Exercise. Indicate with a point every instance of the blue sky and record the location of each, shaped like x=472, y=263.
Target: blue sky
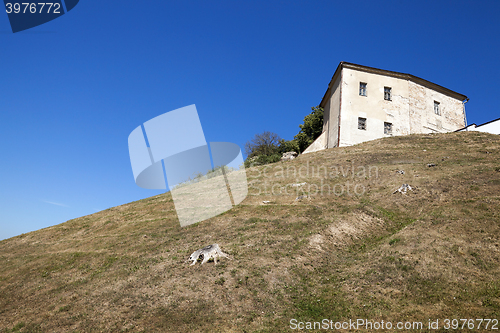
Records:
x=73, y=89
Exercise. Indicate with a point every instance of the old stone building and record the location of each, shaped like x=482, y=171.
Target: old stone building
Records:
x=364, y=103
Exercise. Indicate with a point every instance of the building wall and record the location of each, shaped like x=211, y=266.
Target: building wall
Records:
x=326, y=113
x=410, y=110
x=492, y=127
x=332, y=108
x=373, y=107
x=422, y=116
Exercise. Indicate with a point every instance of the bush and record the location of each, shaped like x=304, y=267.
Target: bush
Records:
x=268, y=147
x=266, y=143
x=286, y=146
x=262, y=160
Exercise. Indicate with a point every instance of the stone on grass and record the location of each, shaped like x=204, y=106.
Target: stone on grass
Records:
x=288, y=156
x=403, y=189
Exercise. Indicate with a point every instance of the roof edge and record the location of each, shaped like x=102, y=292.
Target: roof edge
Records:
x=461, y=129
x=488, y=122
x=330, y=84
x=399, y=75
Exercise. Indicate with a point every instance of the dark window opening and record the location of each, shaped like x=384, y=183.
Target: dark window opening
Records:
x=436, y=108
x=362, y=123
x=387, y=93
x=362, y=89
x=388, y=128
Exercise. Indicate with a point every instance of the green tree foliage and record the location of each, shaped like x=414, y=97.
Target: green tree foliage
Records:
x=262, y=159
x=290, y=145
x=311, y=129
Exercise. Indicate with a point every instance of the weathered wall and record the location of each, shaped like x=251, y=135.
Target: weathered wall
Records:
x=373, y=107
x=422, y=116
x=410, y=110
x=332, y=108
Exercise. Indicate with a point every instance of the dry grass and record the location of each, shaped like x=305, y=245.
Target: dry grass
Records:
x=432, y=253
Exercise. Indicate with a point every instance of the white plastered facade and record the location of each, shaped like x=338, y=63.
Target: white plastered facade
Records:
x=410, y=109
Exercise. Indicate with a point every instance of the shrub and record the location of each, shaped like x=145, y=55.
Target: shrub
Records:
x=266, y=143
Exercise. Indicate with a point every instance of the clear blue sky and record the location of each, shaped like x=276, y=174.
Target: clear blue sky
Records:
x=72, y=90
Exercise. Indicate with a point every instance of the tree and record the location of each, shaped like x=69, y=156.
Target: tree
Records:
x=286, y=146
x=268, y=147
x=311, y=129
x=266, y=143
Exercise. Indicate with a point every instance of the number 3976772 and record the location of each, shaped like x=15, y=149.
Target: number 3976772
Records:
x=33, y=8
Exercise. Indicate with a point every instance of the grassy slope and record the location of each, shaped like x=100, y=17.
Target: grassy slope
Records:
x=432, y=253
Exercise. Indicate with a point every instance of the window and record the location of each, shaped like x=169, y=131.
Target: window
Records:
x=362, y=123
x=387, y=93
x=436, y=108
x=362, y=89
x=388, y=128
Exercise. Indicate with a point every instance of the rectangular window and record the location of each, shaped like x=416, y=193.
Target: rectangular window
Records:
x=436, y=108
x=387, y=93
x=362, y=123
x=388, y=128
x=362, y=89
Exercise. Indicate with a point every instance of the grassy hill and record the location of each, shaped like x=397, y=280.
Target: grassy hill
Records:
x=349, y=249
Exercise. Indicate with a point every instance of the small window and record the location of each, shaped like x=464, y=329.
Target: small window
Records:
x=387, y=93
x=362, y=89
x=436, y=108
x=362, y=124
x=388, y=128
